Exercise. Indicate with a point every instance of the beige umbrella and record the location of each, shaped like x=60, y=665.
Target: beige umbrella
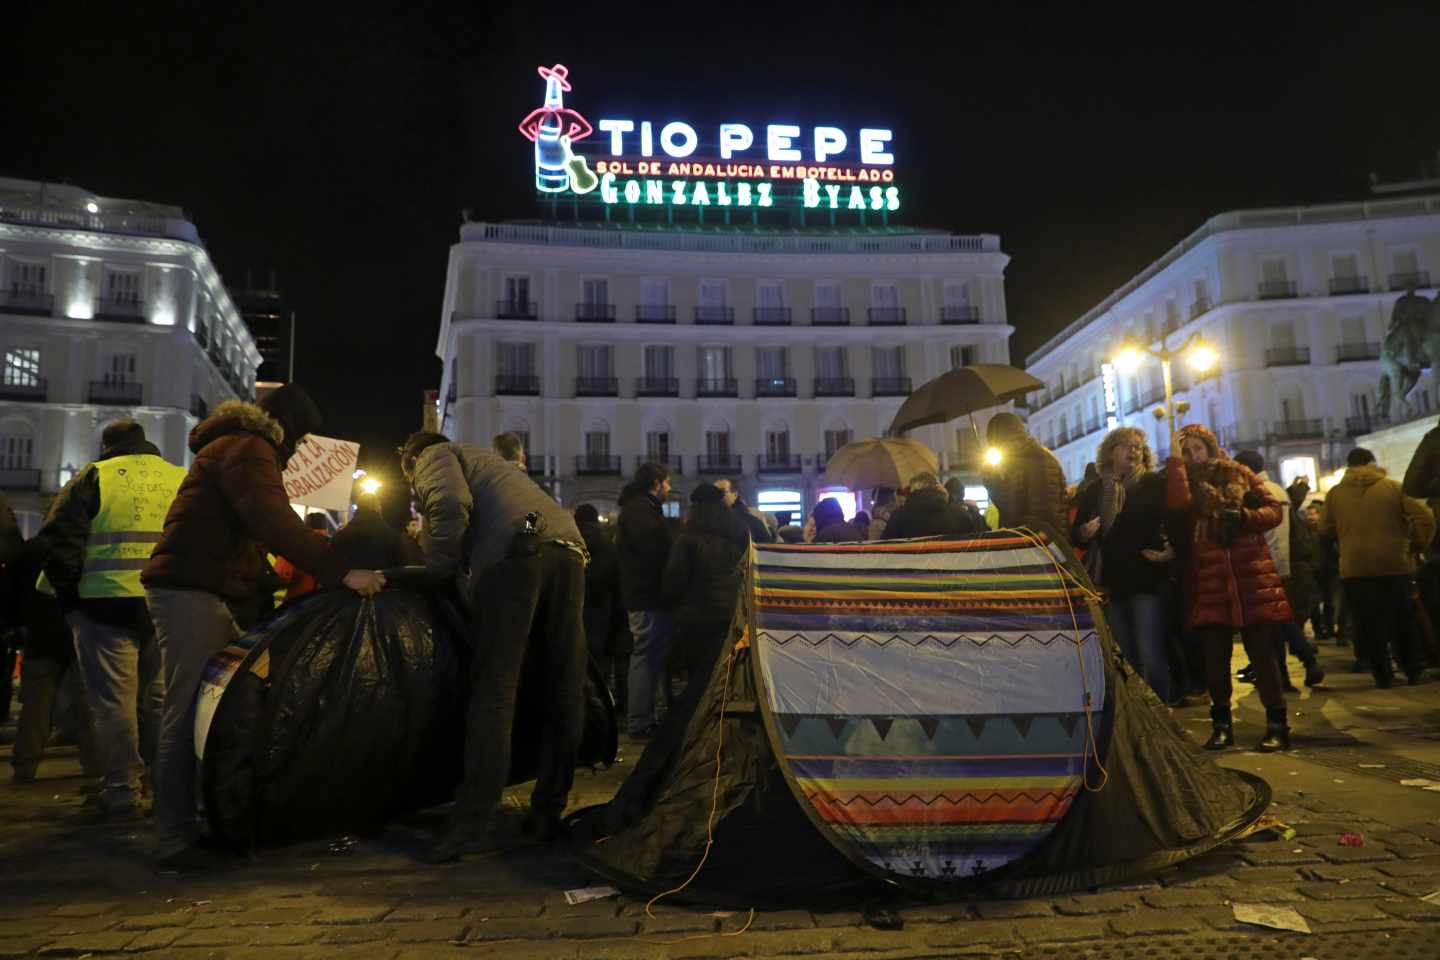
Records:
x=888, y=462
x=956, y=393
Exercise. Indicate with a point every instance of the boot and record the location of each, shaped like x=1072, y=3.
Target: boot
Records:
x=1223, y=734
x=1277, y=731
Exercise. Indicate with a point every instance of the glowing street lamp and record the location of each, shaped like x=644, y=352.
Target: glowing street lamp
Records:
x=1198, y=354
x=370, y=486
x=993, y=456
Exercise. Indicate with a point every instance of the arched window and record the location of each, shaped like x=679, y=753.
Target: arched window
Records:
x=777, y=444
x=17, y=449
x=657, y=442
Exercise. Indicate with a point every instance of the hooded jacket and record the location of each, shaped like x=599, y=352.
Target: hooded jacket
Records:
x=1028, y=488
x=1228, y=581
x=231, y=503
x=928, y=513
x=1379, y=527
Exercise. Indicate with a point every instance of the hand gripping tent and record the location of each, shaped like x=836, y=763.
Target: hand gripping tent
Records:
x=948, y=717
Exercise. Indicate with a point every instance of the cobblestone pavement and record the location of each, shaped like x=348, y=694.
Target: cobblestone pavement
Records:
x=73, y=890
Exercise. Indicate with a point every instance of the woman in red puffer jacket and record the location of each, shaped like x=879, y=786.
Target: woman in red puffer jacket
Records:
x=1222, y=511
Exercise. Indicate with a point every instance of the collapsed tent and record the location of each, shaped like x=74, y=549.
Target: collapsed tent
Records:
x=340, y=713
x=945, y=717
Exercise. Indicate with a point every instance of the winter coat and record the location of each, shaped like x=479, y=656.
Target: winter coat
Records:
x=47, y=634
x=1230, y=584
x=1379, y=527
x=642, y=543
x=1422, y=476
x=1138, y=526
x=473, y=498
x=701, y=583
x=1306, y=558
x=1028, y=488
x=369, y=543
x=928, y=513
x=842, y=532
x=230, y=508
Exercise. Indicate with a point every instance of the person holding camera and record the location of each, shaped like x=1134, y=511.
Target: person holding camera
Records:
x=521, y=563
x=1221, y=510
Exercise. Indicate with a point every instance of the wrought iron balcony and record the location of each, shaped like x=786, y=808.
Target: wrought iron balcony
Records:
x=1277, y=289
x=595, y=312
x=886, y=316
x=655, y=313
x=509, y=384
x=960, y=314
x=1347, y=352
x=657, y=386
x=829, y=316
x=716, y=316
x=199, y=409
x=834, y=386
x=33, y=391
x=774, y=386
x=727, y=387
x=778, y=463
x=1340, y=286
x=35, y=303
x=1355, y=426
x=515, y=310
x=597, y=463
x=889, y=386
x=19, y=478
x=123, y=310
x=718, y=463
x=597, y=387
x=1297, y=429
x=108, y=391
x=1287, y=356
x=1415, y=279
x=771, y=316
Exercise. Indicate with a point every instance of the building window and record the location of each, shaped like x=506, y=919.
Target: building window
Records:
x=777, y=443
x=595, y=291
x=597, y=442
x=827, y=296
x=884, y=296
x=122, y=286
x=1352, y=330
x=17, y=445
x=832, y=363
x=963, y=356
x=22, y=368
x=1344, y=266
x=1405, y=269
x=717, y=444
x=27, y=279
x=517, y=293
x=712, y=293
x=516, y=366
x=772, y=363
x=657, y=444
x=1202, y=298
x=1172, y=315
x=957, y=293
x=594, y=362
x=659, y=363
x=888, y=362
x=715, y=363
x=117, y=369
x=654, y=292
x=770, y=295
x=835, y=438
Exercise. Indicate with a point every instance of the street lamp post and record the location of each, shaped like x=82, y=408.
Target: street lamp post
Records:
x=1195, y=350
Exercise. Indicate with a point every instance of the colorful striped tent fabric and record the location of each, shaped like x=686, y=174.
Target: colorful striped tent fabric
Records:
x=934, y=703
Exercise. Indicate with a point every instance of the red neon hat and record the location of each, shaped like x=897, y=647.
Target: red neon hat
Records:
x=559, y=72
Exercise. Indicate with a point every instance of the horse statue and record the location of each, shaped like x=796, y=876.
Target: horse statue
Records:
x=1411, y=344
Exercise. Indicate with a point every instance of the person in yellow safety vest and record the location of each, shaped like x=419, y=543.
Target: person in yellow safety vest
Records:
x=96, y=540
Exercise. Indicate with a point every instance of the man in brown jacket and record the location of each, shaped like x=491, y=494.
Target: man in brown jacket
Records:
x=1028, y=485
x=232, y=500
x=1380, y=531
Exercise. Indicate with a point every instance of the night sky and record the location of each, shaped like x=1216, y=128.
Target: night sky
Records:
x=341, y=151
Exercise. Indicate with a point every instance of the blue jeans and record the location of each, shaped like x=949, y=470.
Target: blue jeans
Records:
x=651, y=632
x=1138, y=623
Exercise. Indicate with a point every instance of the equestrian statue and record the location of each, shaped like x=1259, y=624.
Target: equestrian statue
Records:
x=1411, y=344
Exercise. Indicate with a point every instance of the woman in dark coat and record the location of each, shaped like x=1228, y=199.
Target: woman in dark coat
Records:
x=1230, y=582
x=702, y=580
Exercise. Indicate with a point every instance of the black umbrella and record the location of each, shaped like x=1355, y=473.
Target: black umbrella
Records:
x=957, y=393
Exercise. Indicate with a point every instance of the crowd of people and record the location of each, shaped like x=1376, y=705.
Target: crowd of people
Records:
x=143, y=571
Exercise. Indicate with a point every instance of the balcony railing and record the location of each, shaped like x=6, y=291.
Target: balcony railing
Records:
x=1414, y=279
x=778, y=463
x=1347, y=352
x=889, y=386
x=718, y=463
x=1339, y=286
x=509, y=384
x=829, y=316
x=597, y=463
x=1199, y=308
x=34, y=391
x=834, y=386
x=727, y=387
x=515, y=310
x=1287, y=356
x=655, y=313
x=1355, y=426
x=657, y=387
x=199, y=409
x=120, y=311
x=106, y=391
x=886, y=316
x=19, y=478
x=960, y=314
x=1277, y=289
x=673, y=462
x=33, y=302
x=595, y=312
x=597, y=387
x=1093, y=425
x=718, y=316
x=1297, y=429
x=771, y=316
x=774, y=386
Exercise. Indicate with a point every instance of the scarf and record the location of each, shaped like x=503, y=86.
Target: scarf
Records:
x=1113, y=493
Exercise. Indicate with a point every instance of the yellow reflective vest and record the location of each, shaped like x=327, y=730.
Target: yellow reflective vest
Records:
x=135, y=495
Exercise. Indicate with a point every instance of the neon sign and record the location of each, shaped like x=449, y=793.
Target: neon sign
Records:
x=665, y=164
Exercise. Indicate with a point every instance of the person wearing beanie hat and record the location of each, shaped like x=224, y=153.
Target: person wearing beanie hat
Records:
x=1230, y=582
x=231, y=507
x=1028, y=485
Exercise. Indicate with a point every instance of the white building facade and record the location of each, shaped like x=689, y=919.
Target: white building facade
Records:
x=1297, y=302
x=109, y=309
x=750, y=354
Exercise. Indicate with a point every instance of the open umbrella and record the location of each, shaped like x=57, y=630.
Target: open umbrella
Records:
x=963, y=391
x=888, y=462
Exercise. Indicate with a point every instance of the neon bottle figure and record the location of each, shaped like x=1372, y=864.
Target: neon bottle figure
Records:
x=546, y=126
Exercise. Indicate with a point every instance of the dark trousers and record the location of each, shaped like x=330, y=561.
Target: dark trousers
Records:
x=519, y=602
x=1381, y=609
x=1218, y=643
